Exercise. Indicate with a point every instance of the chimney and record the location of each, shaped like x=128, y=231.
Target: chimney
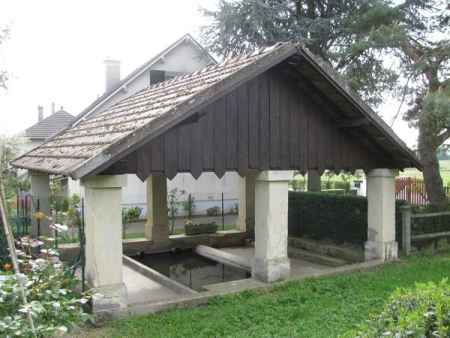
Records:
x=112, y=73
x=53, y=108
x=40, y=113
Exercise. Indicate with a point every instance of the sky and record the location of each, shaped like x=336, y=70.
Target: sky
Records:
x=56, y=51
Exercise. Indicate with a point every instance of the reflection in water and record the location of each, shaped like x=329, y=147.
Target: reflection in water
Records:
x=193, y=270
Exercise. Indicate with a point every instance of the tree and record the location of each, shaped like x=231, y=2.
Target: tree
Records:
x=4, y=34
x=380, y=49
x=14, y=147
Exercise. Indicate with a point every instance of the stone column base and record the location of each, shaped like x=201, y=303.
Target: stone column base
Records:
x=270, y=271
x=109, y=298
x=159, y=234
x=384, y=251
x=246, y=224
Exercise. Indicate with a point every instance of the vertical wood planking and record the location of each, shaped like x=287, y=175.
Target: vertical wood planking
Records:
x=184, y=147
x=274, y=120
x=321, y=137
x=253, y=123
x=232, y=128
x=294, y=128
x=304, y=113
x=354, y=153
x=170, y=152
x=337, y=165
x=208, y=138
x=220, y=140
x=243, y=130
x=196, y=149
x=264, y=122
x=344, y=151
x=284, y=124
x=157, y=154
x=329, y=146
x=312, y=134
x=143, y=158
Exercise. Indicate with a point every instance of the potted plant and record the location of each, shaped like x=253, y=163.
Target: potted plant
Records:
x=191, y=228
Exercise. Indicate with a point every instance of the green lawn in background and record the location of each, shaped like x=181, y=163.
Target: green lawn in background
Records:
x=316, y=307
x=408, y=172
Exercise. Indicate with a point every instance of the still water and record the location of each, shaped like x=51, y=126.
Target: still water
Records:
x=193, y=270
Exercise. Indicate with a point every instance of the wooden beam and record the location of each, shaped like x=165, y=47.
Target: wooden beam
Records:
x=352, y=123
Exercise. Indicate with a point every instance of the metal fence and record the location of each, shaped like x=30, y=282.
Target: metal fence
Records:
x=22, y=222
x=206, y=207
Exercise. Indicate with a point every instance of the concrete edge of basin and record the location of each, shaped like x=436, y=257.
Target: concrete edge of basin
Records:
x=157, y=277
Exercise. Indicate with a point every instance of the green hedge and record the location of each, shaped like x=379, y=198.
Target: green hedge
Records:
x=339, y=218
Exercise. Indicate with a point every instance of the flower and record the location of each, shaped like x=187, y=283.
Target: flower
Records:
x=190, y=223
x=7, y=267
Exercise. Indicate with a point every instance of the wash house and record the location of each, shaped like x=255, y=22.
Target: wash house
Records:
x=264, y=115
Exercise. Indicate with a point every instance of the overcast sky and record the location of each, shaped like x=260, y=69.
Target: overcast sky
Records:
x=56, y=51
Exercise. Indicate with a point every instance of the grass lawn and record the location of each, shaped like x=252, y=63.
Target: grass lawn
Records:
x=408, y=172
x=320, y=307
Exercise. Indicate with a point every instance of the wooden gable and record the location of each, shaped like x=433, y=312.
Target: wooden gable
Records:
x=267, y=123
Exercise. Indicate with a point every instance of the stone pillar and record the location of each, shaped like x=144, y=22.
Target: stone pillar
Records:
x=314, y=183
x=381, y=244
x=246, y=218
x=157, y=228
x=103, y=219
x=271, y=263
x=40, y=190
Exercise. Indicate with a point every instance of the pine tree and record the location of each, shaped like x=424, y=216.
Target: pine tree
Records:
x=380, y=48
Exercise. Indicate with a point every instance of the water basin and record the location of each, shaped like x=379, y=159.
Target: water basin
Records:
x=192, y=269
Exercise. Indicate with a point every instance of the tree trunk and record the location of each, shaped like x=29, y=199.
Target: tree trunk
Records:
x=431, y=174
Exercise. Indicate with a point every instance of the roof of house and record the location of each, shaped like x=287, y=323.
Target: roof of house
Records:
x=106, y=138
x=49, y=126
x=124, y=82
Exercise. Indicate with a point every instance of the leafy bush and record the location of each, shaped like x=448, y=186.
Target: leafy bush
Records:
x=51, y=303
x=213, y=211
x=128, y=216
x=189, y=206
x=298, y=185
x=420, y=312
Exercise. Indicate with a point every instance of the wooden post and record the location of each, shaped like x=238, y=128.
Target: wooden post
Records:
x=406, y=230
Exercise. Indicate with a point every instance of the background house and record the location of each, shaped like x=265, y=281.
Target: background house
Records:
x=182, y=57
x=45, y=128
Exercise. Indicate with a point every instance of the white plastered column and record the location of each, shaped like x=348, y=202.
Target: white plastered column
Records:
x=381, y=244
x=103, y=219
x=246, y=218
x=271, y=263
x=156, y=228
x=40, y=190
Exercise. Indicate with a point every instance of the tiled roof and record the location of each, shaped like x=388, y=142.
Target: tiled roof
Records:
x=106, y=138
x=49, y=126
x=135, y=116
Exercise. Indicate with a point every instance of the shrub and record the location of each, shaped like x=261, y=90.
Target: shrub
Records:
x=213, y=211
x=420, y=312
x=129, y=215
x=51, y=303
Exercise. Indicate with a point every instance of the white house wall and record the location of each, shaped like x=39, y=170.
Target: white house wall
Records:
x=207, y=191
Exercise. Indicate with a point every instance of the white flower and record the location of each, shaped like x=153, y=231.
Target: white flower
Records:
x=21, y=278
x=60, y=227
